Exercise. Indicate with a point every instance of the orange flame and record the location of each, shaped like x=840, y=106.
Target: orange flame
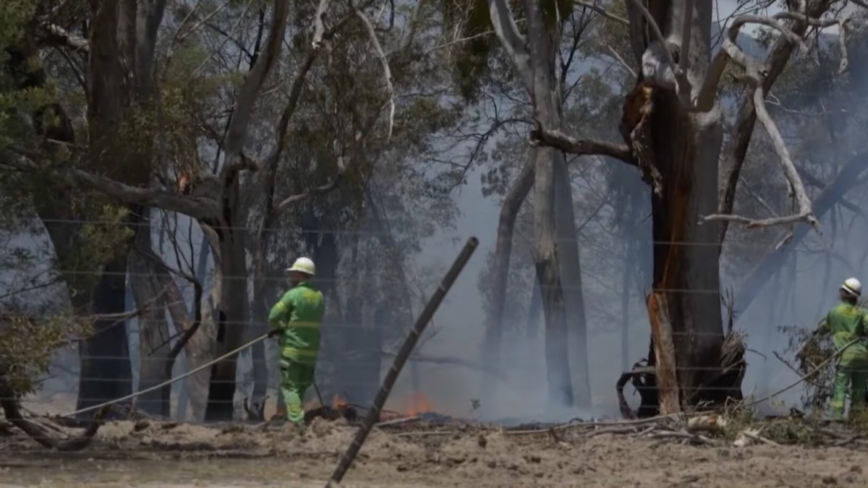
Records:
x=418, y=404
x=338, y=402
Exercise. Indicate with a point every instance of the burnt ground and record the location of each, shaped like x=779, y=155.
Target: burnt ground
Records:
x=416, y=455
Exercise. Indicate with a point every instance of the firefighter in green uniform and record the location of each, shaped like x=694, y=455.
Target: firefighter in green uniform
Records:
x=296, y=320
x=847, y=322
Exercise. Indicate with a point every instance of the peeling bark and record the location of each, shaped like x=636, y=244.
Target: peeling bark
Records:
x=684, y=146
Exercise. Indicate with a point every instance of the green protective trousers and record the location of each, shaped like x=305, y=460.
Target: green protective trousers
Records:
x=851, y=377
x=295, y=379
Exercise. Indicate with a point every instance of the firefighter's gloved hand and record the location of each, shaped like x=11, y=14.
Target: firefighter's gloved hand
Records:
x=273, y=333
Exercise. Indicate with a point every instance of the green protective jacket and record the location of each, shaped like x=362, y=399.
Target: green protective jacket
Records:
x=845, y=323
x=299, y=315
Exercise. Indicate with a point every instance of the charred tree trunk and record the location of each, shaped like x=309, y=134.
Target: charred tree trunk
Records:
x=684, y=146
x=105, y=364
x=105, y=372
x=231, y=316
x=685, y=297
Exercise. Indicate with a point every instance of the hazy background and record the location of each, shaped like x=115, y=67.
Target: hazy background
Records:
x=459, y=321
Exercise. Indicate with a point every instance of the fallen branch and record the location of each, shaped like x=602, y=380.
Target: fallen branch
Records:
x=612, y=430
x=12, y=411
x=406, y=349
x=699, y=439
x=804, y=377
x=398, y=421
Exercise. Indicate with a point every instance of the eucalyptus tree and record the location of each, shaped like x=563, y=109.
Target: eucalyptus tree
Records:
x=673, y=124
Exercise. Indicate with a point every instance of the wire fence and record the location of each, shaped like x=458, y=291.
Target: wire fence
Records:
x=349, y=366
x=337, y=365
x=185, y=235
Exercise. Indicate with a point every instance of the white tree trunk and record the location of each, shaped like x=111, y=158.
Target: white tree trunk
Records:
x=154, y=344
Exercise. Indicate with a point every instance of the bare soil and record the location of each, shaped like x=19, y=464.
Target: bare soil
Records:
x=149, y=454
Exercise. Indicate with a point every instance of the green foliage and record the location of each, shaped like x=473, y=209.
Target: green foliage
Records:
x=471, y=61
x=27, y=346
x=99, y=240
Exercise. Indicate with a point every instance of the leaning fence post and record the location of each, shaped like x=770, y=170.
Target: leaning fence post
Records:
x=401, y=358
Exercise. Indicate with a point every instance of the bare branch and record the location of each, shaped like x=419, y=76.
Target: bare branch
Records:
x=387, y=71
x=600, y=10
x=581, y=147
x=730, y=50
x=319, y=24
x=621, y=60
x=792, y=175
x=511, y=39
x=822, y=24
x=249, y=92
x=342, y=170
x=56, y=35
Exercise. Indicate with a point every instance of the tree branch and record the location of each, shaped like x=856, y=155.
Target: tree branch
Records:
x=319, y=24
x=754, y=73
x=511, y=39
x=792, y=175
x=387, y=72
x=197, y=207
x=600, y=10
x=9, y=404
x=581, y=147
x=822, y=24
x=58, y=36
x=730, y=50
x=249, y=92
x=342, y=169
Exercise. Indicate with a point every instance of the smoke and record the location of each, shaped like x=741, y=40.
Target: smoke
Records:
x=798, y=293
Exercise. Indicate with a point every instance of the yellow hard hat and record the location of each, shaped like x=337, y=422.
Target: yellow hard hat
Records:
x=303, y=265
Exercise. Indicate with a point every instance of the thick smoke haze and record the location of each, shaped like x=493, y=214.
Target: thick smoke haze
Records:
x=805, y=289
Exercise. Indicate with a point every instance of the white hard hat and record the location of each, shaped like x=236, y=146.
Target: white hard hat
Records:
x=852, y=286
x=303, y=265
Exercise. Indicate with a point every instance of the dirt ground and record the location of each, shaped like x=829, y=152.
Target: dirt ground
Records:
x=179, y=455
